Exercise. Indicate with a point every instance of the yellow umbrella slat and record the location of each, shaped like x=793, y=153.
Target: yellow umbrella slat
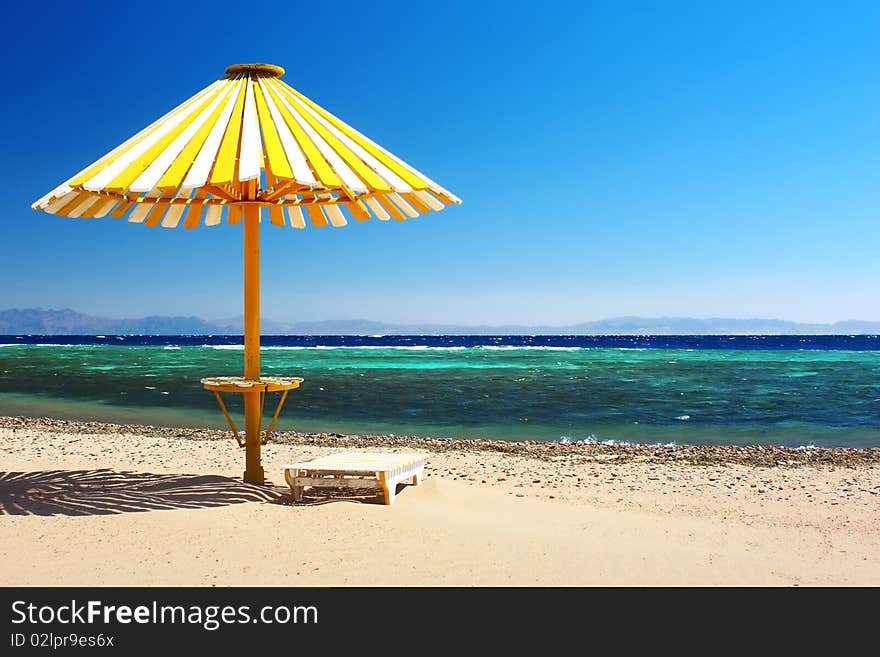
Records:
x=316, y=216
x=358, y=211
x=207, y=155
x=341, y=156
x=416, y=202
x=130, y=163
x=193, y=216
x=120, y=210
x=92, y=211
x=172, y=146
x=82, y=207
x=155, y=215
x=105, y=208
x=446, y=200
x=277, y=164
x=193, y=211
x=110, y=157
x=142, y=174
x=411, y=176
x=313, y=167
x=369, y=160
x=68, y=202
x=276, y=215
x=185, y=155
x=59, y=201
x=391, y=208
x=224, y=163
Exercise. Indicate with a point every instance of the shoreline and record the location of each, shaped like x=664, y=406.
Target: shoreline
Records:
x=751, y=455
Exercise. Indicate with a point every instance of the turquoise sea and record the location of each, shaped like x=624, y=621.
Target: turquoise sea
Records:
x=791, y=390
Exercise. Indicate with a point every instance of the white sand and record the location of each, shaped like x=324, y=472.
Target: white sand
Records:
x=478, y=519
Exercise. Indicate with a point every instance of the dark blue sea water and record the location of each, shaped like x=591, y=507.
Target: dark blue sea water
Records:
x=784, y=390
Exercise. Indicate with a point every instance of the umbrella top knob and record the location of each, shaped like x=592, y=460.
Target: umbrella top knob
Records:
x=263, y=70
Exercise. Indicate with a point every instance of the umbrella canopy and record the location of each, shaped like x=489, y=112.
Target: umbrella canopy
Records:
x=247, y=142
x=247, y=137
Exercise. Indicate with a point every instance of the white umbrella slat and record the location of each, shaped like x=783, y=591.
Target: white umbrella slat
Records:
x=120, y=164
x=392, y=178
x=302, y=173
x=295, y=216
x=214, y=215
x=105, y=208
x=198, y=173
x=83, y=205
x=172, y=217
x=43, y=201
x=429, y=200
x=403, y=204
x=61, y=201
x=140, y=213
x=107, y=158
x=251, y=152
x=377, y=209
x=151, y=175
x=334, y=214
x=414, y=177
x=349, y=177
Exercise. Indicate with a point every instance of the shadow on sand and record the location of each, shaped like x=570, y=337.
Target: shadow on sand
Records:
x=100, y=492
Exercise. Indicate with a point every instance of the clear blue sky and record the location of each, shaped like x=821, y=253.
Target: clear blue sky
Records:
x=613, y=158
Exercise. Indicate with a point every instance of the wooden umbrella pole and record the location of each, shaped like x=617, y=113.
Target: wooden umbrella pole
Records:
x=253, y=472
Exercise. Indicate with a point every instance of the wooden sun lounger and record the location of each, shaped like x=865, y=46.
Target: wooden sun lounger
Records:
x=356, y=470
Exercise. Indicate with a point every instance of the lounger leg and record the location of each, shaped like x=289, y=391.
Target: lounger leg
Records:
x=296, y=492
x=417, y=478
x=388, y=489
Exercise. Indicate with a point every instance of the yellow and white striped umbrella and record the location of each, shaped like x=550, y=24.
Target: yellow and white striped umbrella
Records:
x=251, y=138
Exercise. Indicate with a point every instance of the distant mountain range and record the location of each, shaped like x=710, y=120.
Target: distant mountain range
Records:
x=38, y=321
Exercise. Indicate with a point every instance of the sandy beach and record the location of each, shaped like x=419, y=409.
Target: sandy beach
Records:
x=96, y=504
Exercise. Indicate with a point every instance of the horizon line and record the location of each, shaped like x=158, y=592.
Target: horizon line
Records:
x=458, y=324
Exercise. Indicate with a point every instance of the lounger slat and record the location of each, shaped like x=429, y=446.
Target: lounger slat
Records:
x=347, y=482
x=356, y=470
